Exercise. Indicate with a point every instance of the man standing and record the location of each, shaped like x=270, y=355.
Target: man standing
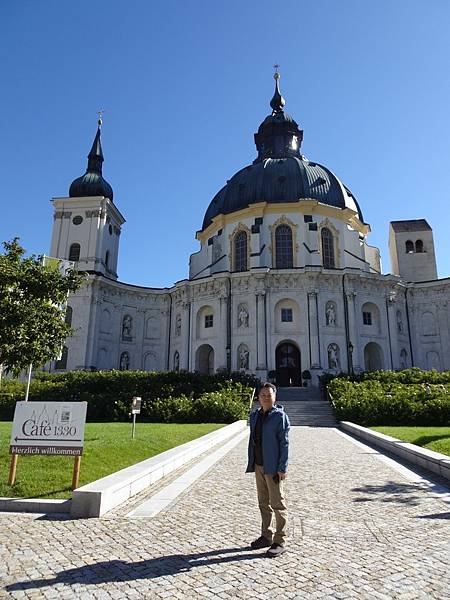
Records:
x=268, y=450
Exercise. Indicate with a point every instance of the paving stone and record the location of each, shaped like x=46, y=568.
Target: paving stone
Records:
x=358, y=529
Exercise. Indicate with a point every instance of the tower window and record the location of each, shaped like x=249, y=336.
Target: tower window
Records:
x=419, y=246
x=283, y=247
x=209, y=321
x=240, y=251
x=107, y=258
x=409, y=247
x=77, y=220
x=69, y=316
x=367, y=318
x=286, y=315
x=327, y=248
x=74, y=252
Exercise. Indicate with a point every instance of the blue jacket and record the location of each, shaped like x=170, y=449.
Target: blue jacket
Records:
x=275, y=441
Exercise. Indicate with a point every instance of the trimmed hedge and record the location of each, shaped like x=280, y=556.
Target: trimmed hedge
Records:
x=410, y=397
x=176, y=397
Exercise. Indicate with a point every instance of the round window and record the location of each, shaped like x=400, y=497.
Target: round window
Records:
x=110, y=230
x=77, y=220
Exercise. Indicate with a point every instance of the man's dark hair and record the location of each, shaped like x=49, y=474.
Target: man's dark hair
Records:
x=266, y=384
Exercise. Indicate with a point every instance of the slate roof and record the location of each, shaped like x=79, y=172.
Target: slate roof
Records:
x=411, y=225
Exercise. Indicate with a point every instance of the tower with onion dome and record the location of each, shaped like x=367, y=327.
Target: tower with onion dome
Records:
x=87, y=223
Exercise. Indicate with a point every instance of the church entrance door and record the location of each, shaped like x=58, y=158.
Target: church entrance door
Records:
x=287, y=360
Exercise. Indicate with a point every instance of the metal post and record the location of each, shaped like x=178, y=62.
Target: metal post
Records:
x=28, y=382
x=134, y=425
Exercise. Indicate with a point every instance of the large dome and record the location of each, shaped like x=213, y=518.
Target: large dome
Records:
x=276, y=180
x=280, y=173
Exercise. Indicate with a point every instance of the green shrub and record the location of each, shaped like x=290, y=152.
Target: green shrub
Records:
x=390, y=401
x=167, y=397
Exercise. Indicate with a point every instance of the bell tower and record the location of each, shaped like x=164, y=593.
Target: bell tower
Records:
x=411, y=247
x=87, y=224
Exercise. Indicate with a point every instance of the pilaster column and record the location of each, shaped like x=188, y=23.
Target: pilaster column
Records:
x=313, y=330
x=443, y=325
x=391, y=303
x=222, y=337
x=186, y=328
x=260, y=331
x=353, y=335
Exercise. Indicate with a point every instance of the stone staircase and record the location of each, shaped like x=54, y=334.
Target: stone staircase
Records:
x=305, y=407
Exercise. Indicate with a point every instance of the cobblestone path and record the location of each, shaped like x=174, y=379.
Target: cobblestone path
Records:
x=358, y=529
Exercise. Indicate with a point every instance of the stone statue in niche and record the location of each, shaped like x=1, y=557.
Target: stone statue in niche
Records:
x=124, y=361
x=399, y=322
x=333, y=357
x=127, y=327
x=243, y=316
x=244, y=355
x=330, y=314
x=178, y=326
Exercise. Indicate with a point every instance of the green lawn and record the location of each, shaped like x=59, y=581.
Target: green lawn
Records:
x=108, y=448
x=433, y=438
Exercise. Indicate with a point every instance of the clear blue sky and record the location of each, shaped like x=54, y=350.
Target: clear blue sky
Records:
x=186, y=84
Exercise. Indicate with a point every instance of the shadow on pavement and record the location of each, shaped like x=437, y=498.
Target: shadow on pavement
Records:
x=120, y=570
x=392, y=491
x=445, y=515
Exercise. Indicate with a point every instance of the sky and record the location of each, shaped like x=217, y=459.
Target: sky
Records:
x=185, y=85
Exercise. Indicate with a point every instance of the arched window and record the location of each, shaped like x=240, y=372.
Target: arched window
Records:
x=327, y=248
x=61, y=363
x=74, y=252
x=419, y=246
x=69, y=315
x=283, y=247
x=176, y=361
x=107, y=258
x=409, y=246
x=240, y=251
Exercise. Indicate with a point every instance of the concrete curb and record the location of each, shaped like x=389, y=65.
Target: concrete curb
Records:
x=426, y=459
x=98, y=497
x=35, y=505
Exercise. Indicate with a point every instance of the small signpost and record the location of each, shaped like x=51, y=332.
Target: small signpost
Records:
x=136, y=404
x=51, y=428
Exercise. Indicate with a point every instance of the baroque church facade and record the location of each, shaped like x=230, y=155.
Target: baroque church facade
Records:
x=284, y=286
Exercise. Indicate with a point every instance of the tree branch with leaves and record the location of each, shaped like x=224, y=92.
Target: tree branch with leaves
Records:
x=32, y=308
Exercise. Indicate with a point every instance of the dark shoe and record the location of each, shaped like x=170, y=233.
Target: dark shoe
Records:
x=261, y=542
x=275, y=550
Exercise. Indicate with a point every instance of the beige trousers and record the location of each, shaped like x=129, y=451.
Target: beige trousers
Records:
x=271, y=501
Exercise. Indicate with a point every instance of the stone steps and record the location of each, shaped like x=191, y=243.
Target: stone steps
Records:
x=305, y=407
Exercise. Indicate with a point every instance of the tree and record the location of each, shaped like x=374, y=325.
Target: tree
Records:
x=32, y=308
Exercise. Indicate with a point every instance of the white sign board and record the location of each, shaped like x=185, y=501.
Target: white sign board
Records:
x=48, y=428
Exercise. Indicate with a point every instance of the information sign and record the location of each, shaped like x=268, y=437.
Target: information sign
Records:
x=48, y=428
x=136, y=405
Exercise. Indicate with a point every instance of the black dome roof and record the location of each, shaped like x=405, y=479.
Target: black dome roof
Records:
x=280, y=173
x=280, y=180
x=92, y=182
